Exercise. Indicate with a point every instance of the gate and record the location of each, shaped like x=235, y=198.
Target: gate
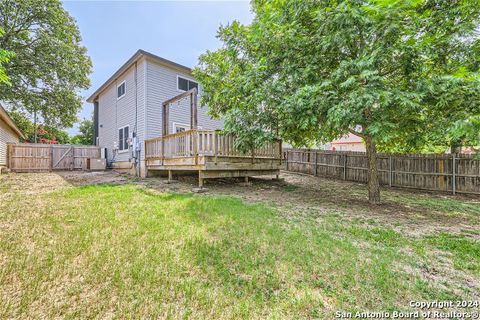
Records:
x=29, y=157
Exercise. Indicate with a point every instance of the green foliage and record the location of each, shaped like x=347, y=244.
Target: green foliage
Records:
x=50, y=65
x=45, y=133
x=400, y=72
x=85, y=136
x=4, y=58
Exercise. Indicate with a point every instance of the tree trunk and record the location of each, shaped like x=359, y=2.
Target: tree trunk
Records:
x=373, y=183
x=456, y=147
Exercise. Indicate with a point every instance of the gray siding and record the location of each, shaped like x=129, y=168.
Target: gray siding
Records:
x=116, y=113
x=155, y=84
x=161, y=86
x=7, y=135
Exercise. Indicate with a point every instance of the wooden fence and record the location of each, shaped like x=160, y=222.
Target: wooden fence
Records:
x=29, y=157
x=446, y=172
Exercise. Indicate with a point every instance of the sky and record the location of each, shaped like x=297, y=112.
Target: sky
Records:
x=112, y=31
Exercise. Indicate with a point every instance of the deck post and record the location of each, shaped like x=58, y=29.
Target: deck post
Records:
x=170, y=176
x=194, y=145
x=194, y=122
x=200, y=179
x=246, y=179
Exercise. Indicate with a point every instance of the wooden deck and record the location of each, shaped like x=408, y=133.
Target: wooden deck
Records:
x=210, y=154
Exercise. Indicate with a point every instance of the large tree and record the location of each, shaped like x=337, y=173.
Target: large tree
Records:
x=4, y=58
x=49, y=66
x=312, y=71
x=38, y=133
x=85, y=136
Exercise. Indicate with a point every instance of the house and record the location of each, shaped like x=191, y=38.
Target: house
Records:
x=128, y=108
x=349, y=142
x=9, y=133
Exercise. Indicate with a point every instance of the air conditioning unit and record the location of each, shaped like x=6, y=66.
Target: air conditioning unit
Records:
x=97, y=164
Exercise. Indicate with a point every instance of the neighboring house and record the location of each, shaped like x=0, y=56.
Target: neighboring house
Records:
x=9, y=133
x=128, y=108
x=350, y=142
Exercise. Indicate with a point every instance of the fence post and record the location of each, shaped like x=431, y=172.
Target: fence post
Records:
x=316, y=162
x=454, y=174
x=10, y=153
x=215, y=146
x=345, y=167
x=51, y=158
x=287, y=158
x=390, y=174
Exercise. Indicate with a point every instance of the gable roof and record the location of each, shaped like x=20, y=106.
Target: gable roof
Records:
x=6, y=118
x=140, y=53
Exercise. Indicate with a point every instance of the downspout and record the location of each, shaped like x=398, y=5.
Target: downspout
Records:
x=95, y=123
x=136, y=149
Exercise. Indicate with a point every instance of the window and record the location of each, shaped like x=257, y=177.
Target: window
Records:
x=185, y=84
x=121, y=89
x=177, y=127
x=181, y=127
x=123, y=136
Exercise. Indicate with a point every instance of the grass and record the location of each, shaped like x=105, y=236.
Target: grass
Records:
x=126, y=251
x=466, y=252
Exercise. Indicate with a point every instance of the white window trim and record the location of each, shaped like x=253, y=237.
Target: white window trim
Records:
x=123, y=95
x=186, y=126
x=118, y=138
x=178, y=124
x=186, y=78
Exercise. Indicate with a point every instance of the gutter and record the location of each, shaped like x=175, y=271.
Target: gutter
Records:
x=6, y=118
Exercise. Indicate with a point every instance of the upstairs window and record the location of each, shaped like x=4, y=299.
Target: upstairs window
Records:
x=121, y=89
x=185, y=84
x=123, y=138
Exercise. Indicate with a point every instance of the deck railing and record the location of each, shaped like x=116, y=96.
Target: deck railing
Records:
x=199, y=142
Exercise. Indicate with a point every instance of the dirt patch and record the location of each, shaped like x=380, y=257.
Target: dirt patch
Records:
x=95, y=177
x=297, y=197
x=305, y=197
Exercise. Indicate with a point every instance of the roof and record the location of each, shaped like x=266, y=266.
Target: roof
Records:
x=350, y=138
x=6, y=118
x=140, y=53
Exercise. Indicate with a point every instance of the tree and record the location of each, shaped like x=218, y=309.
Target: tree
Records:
x=4, y=58
x=85, y=136
x=44, y=133
x=312, y=71
x=49, y=65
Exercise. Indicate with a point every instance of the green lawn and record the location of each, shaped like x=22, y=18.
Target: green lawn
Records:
x=128, y=251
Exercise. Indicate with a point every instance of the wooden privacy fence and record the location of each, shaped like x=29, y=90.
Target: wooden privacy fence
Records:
x=446, y=172
x=29, y=157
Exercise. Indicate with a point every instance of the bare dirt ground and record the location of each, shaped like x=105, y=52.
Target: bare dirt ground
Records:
x=297, y=197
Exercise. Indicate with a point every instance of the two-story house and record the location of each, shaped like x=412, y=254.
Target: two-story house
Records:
x=128, y=108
